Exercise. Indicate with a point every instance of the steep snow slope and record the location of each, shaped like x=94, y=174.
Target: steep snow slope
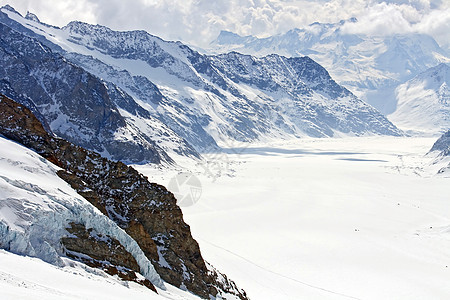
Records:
x=370, y=66
x=29, y=278
x=36, y=207
x=423, y=103
x=209, y=99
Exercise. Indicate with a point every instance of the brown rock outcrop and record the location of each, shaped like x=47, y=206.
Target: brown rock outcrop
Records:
x=102, y=252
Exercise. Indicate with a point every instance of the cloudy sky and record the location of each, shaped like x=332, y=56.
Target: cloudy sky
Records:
x=198, y=22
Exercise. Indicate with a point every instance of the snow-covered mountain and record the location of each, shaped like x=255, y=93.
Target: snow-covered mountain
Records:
x=81, y=107
x=209, y=99
x=369, y=66
x=60, y=200
x=423, y=103
x=441, y=153
x=442, y=145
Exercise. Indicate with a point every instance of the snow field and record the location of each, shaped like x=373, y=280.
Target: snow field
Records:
x=362, y=218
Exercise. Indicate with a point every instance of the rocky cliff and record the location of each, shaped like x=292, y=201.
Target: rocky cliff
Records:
x=146, y=211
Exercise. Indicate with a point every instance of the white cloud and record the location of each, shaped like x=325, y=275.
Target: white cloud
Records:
x=436, y=24
x=381, y=19
x=56, y=12
x=391, y=17
x=199, y=21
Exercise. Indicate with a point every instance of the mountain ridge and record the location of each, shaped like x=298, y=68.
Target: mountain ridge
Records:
x=59, y=90
x=203, y=99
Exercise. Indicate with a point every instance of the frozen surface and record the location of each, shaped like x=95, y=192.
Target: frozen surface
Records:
x=29, y=278
x=352, y=218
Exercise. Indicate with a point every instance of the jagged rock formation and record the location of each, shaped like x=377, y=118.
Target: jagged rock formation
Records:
x=146, y=211
x=211, y=99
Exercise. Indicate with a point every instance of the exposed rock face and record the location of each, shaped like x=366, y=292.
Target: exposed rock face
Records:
x=443, y=144
x=146, y=211
x=98, y=247
x=104, y=252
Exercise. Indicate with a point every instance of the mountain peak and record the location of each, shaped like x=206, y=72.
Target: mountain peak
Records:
x=228, y=37
x=32, y=17
x=10, y=8
x=340, y=23
x=439, y=74
x=225, y=33
x=83, y=27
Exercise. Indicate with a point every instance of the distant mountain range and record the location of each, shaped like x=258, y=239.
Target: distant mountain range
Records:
x=109, y=90
x=371, y=67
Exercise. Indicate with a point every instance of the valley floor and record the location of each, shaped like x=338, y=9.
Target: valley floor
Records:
x=352, y=218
